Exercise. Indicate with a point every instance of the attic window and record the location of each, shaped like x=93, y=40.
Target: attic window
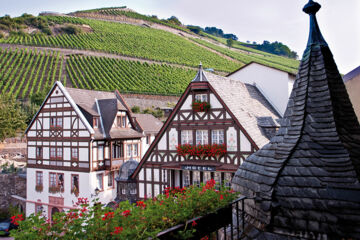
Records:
x=201, y=97
x=96, y=122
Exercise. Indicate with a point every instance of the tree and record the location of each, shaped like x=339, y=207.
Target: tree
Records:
x=12, y=118
x=229, y=42
x=174, y=20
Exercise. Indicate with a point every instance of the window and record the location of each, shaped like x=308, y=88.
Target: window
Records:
x=56, y=152
x=100, y=152
x=186, y=137
x=118, y=149
x=111, y=179
x=39, y=178
x=217, y=136
x=75, y=184
x=96, y=122
x=186, y=178
x=129, y=150
x=201, y=97
x=201, y=137
x=123, y=121
x=118, y=121
x=39, y=152
x=196, y=178
x=123, y=191
x=56, y=122
x=133, y=190
x=74, y=153
x=135, y=150
x=59, y=152
x=147, y=139
x=52, y=177
x=99, y=181
x=56, y=182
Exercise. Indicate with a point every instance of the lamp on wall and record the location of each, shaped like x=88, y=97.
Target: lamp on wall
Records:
x=97, y=191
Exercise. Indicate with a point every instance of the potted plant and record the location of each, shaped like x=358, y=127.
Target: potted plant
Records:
x=39, y=188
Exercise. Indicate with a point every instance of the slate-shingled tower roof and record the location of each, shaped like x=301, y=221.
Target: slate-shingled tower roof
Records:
x=305, y=182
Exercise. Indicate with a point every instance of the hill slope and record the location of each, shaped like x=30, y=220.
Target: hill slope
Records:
x=161, y=56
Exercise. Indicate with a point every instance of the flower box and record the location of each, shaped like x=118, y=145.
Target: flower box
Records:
x=56, y=189
x=39, y=188
x=199, y=106
x=209, y=150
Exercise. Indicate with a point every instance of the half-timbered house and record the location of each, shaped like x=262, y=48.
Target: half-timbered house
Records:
x=216, y=124
x=76, y=143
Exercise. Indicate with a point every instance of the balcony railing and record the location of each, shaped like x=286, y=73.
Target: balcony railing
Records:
x=225, y=223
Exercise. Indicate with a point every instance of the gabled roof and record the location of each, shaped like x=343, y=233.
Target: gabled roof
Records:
x=352, y=74
x=72, y=103
x=148, y=123
x=244, y=103
x=247, y=104
x=306, y=180
x=253, y=62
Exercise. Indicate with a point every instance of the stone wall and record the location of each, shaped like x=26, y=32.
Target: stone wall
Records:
x=12, y=184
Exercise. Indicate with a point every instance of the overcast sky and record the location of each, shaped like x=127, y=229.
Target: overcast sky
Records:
x=253, y=20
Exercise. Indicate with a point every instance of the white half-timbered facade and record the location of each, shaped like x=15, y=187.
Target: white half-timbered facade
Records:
x=233, y=115
x=76, y=143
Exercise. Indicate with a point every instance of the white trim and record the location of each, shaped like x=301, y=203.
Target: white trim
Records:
x=101, y=121
x=73, y=104
x=18, y=198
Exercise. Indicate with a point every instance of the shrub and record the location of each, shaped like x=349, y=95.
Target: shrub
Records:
x=142, y=220
x=135, y=109
x=71, y=29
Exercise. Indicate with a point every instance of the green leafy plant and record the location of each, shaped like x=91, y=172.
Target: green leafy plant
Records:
x=142, y=220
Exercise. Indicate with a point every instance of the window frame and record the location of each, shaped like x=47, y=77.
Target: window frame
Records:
x=129, y=151
x=39, y=180
x=187, y=137
x=39, y=152
x=74, y=156
x=135, y=150
x=111, y=176
x=99, y=153
x=73, y=182
x=102, y=181
x=216, y=135
x=200, y=140
x=201, y=97
x=95, y=122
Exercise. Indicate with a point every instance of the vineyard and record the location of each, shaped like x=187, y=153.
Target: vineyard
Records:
x=26, y=72
x=129, y=40
x=102, y=73
x=130, y=14
x=282, y=63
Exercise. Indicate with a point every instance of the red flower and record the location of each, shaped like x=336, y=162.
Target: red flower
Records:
x=15, y=219
x=193, y=223
x=108, y=216
x=221, y=197
x=205, y=238
x=82, y=201
x=141, y=204
x=117, y=230
x=126, y=213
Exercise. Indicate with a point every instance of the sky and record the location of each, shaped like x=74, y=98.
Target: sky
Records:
x=250, y=20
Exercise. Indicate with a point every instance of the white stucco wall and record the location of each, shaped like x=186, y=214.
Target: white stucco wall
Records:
x=275, y=85
x=87, y=185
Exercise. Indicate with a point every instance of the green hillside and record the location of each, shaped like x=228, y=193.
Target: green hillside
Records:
x=25, y=72
x=128, y=40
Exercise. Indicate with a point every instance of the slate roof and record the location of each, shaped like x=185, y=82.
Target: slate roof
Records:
x=247, y=104
x=305, y=182
x=148, y=123
x=104, y=105
x=352, y=74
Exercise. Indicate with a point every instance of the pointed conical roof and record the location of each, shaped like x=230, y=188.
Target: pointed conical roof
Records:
x=305, y=182
x=200, y=76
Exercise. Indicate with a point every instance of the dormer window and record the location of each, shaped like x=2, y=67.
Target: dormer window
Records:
x=201, y=98
x=96, y=122
x=121, y=121
x=118, y=121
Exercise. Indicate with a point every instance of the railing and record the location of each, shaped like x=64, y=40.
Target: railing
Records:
x=226, y=223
